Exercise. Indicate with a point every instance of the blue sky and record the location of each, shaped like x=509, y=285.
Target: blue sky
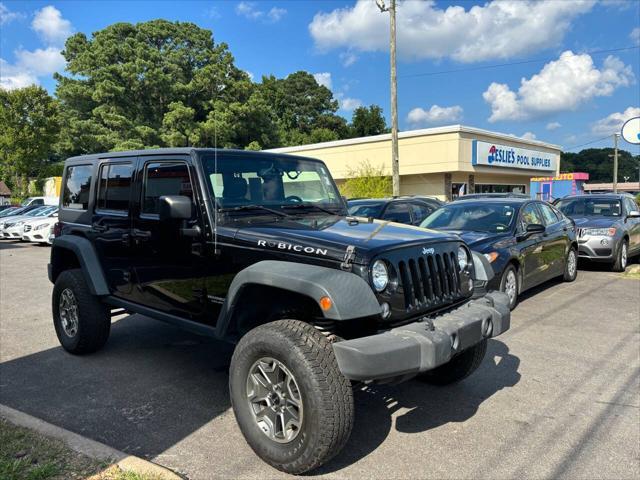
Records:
x=557, y=88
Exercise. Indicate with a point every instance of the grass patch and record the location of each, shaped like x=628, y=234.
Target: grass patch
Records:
x=26, y=455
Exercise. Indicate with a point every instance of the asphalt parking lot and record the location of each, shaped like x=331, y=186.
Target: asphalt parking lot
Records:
x=557, y=396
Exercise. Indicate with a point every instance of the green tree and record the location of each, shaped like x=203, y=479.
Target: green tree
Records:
x=597, y=163
x=367, y=121
x=366, y=180
x=29, y=125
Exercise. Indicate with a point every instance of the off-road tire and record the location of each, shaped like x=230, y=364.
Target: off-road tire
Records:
x=459, y=367
x=568, y=275
x=94, y=321
x=503, y=282
x=621, y=264
x=326, y=394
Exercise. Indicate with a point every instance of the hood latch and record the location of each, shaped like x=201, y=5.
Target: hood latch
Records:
x=349, y=257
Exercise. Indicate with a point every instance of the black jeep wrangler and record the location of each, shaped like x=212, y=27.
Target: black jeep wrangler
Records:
x=257, y=249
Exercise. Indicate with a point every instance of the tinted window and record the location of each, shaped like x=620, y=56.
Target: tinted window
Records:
x=631, y=205
x=76, y=188
x=420, y=212
x=477, y=217
x=547, y=214
x=397, y=212
x=530, y=215
x=115, y=186
x=365, y=210
x=164, y=178
x=578, y=207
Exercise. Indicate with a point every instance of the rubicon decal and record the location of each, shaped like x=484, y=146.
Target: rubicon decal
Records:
x=292, y=247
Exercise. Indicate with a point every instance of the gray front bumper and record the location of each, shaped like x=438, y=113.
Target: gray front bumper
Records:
x=423, y=345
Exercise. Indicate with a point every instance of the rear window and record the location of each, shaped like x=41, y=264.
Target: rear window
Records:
x=114, y=187
x=76, y=188
x=365, y=210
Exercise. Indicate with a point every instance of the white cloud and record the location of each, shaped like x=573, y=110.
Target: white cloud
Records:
x=12, y=77
x=495, y=30
x=435, y=115
x=324, y=79
x=348, y=58
x=348, y=103
x=613, y=123
x=249, y=10
x=49, y=24
x=528, y=136
x=41, y=61
x=561, y=85
x=635, y=35
x=7, y=16
x=553, y=125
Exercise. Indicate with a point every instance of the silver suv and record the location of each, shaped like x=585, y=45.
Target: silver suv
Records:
x=608, y=226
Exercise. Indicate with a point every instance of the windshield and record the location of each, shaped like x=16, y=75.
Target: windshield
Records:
x=43, y=212
x=365, y=209
x=273, y=182
x=478, y=217
x=8, y=211
x=587, y=207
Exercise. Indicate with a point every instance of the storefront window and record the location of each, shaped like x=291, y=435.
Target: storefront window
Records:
x=489, y=188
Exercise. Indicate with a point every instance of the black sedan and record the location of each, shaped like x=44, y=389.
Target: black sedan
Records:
x=527, y=241
x=411, y=210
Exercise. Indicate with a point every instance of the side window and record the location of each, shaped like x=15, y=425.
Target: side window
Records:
x=114, y=187
x=420, y=212
x=547, y=214
x=631, y=205
x=76, y=187
x=164, y=178
x=529, y=215
x=397, y=212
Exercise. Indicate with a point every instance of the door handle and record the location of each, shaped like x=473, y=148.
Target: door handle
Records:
x=137, y=233
x=99, y=228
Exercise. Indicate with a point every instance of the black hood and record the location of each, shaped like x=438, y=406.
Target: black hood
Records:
x=334, y=234
x=596, y=221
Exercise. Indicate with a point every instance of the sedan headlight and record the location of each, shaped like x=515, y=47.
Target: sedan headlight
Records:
x=41, y=226
x=17, y=224
x=463, y=258
x=602, y=232
x=379, y=275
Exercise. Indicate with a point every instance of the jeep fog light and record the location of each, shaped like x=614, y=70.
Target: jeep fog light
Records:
x=379, y=275
x=386, y=310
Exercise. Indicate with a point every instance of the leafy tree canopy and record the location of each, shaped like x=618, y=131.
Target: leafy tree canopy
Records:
x=368, y=121
x=366, y=181
x=597, y=163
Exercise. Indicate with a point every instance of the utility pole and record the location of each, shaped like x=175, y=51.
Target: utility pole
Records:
x=395, y=162
x=615, y=163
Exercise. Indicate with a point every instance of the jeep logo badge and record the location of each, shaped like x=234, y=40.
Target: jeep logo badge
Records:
x=428, y=251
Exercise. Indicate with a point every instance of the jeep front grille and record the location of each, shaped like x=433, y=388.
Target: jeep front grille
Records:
x=430, y=280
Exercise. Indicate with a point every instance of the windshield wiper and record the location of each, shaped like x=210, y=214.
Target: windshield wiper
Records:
x=310, y=205
x=240, y=208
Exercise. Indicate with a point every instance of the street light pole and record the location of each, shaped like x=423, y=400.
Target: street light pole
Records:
x=395, y=162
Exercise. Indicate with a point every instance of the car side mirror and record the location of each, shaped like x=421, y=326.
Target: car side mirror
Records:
x=634, y=214
x=174, y=207
x=535, y=228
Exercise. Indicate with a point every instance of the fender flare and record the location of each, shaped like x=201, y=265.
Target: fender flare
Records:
x=351, y=296
x=89, y=264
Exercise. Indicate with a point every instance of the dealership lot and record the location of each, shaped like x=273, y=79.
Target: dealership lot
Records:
x=557, y=396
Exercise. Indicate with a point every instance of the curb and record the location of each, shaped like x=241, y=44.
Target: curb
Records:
x=86, y=446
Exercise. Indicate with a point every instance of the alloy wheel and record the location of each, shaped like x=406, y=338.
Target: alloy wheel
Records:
x=572, y=263
x=511, y=286
x=68, y=310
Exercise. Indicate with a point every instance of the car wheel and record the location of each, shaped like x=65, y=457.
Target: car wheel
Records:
x=82, y=322
x=510, y=285
x=459, y=367
x=621, y=260
x=292, y=403
x=571, y=265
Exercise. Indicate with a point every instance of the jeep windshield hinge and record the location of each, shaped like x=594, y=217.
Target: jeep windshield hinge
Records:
x=349, y=257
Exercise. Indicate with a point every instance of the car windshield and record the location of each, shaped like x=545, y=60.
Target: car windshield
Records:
x=587, y=207
x=478, y=217
x=270, y=183
x=44, y=211
x=8, y=211
x=365, y=209
x=37, y=212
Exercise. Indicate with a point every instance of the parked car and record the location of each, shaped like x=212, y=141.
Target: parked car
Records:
x=5, y=207
x=38, y=229
x=256, y=248
x=11, y=227
x=40, y=201
x=15, y=211
x=479, y=196
x=527, y=241
x=411, y=210
x=608, y=226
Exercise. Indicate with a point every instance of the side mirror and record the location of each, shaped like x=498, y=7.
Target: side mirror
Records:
x=535, y=228
x=634, y=214
x=174, y=207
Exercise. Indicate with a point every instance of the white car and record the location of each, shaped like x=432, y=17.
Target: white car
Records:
x=39, y=229
x=11, y=227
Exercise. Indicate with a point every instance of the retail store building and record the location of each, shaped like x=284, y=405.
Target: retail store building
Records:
x=443, y=161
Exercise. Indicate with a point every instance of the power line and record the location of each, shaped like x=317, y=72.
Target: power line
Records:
x=588, y=143
x=498, y=65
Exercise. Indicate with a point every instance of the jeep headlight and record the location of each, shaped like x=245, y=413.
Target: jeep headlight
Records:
x=601, y=232
x=379, y=275
x=463, y=258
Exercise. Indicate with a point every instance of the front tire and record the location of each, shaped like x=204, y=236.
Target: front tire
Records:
x=82, y=322
x=571, y=265
x=459, y=367
x=292, y=403
x=623, y=256
x=510, y=285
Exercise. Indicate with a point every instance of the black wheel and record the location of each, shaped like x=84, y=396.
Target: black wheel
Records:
x=571, y=265
x=81, y=321
x=293, y=406
x=510, y=285
x=459, y=367
x=623, y=256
